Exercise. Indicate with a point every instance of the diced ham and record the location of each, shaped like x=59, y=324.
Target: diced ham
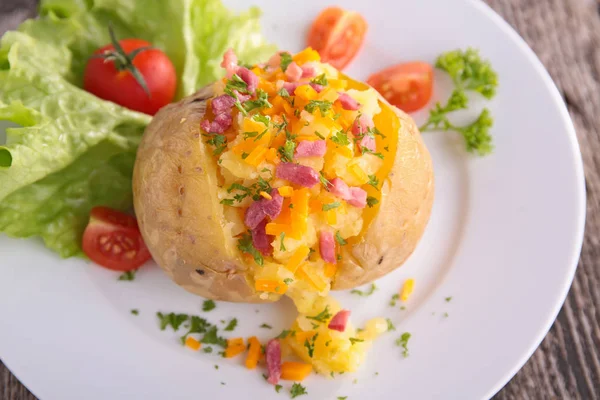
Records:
x=222, y=104
x=355, y=196
x=339, y=321
x=293, y=72
x=308, y=148
x=273, y=357
x=291, y=86
x=327, y=246
x=358, y=197
x=274, y=61
x=347, y=102
x=230, y=62
x=367, y=142
x=260, y=239
x=318, y=88
x=242, y=97
x=362, y=125
x=339, y=188
x=205, y=125
x=249, y=77
x=298, y=174
x=308, y=70
x=262, y=208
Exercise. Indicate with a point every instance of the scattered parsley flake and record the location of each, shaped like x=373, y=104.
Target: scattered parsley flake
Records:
x=331, y=206
x=231, y=325
x=391, y=326
x=297, y=390
x=262, y=101
x=372, y=201
x=369, y=292
x=324, y=180
x=227, y=202
x=342, y=397
x=287, y=150
x=340, y=138
x=338, y=238
x=208, y=305
x=322, y=105
x=211, y=337
x=373, y=181
x=403, y=341
x=394, y=300
x=319, y=135
x=366, y=150
x=288, y=281
x=173, y=320
x=286, y=60
x=128, y=276
x=446, y=315
x=135, y=311
x=266, y=326
x=245, y=246
x=278, y=388
x=283, y=92
x=322, y=317
x=281, y=238
x=216, y=366
x=219, y=142
x=320, y=80
x=286, y=333
x=207, y=350
x=196, y=325
x=355, y=340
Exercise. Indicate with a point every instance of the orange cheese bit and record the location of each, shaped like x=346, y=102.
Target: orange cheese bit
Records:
x=275, y=229
x=306, y=55
x=235, y=346
x=311, y=278
x=234, y=342
x=301, y=336
x=295, y=371
x=272, y=155
x=286, y=191
x=407, y=289
x=193, y=343
x=266, y=195
x=254, y=353
x=307, y=137
x=297, y=258
x=330, y=270
x=305, y=92
x=270, y=285
x=256, y=156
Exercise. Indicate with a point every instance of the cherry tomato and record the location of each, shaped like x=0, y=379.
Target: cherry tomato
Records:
x=407, y=86
x=337, y=35
x=113, y=240
x=113, y=81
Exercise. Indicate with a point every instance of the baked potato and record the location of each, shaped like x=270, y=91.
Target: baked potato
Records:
x=200, y=170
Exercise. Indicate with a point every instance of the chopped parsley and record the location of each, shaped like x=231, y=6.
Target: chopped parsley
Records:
x=366, y=150
x=278, y=388
x=245, y=246
x=235, y=83
x=219, y=142
x=369, y=292
x=320, y=80
x=324, y=180
x=231, y=325
x=173, y=320
x=196, y=325
x=319, y=135
x=297, y=390
x=322, y=105
x=286, y=60
x=250, y=134
x=128, y=276
x=262, y=101
x=373, y=181
x=372, y=201
x=266, y=326
x=323, y=316
x=448, y=299
x=338, y=238
x=227, y=202
x=403, y=341
x=310, y=345
x=355, y=340
x=342, y=397
x=283, y=92
x=331, y=206
x=264, y=119
x=394, y=300
x=135, y=312
x=207, y=349
x=391, y=326
x=208, y=305
x=287, y=150
x=288, y=281
x=211, y=337
x=281, y=245
x=340, y=138
x=286, y=333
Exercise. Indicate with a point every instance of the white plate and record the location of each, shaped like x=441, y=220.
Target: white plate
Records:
x=503, y=241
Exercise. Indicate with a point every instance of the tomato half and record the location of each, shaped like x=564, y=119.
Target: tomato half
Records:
x=103, y=78
x=113, y=240
x=337, y=35
x=408, y=86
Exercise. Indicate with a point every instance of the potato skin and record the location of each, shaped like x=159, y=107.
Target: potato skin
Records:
x=178, y=211
x=404, y=210
x=181, y=220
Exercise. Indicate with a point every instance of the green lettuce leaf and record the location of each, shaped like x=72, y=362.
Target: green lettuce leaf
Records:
x=67, y=151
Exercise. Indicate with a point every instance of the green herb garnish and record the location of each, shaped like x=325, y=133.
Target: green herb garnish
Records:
x=320, y=80
x=262, y=101
x=211, y=337
x=403, y=341
x=391, y=326
x=128, y=276
x=135, y=312
x=219, y=142
x=245, y=246
x=338, y=238
x=171, y=319
x=266, y=326
x=281, y=245
x=297, y=390
x=208, y=305
x=322, y=105
x=394, y=300
x=286, y=60
x=323, y=316
x=331, y=206
x=355, y=340
x=373, y=181
x=340, y=138
x=231, y=325
x=372, y=201
x=278, y=388
x=369, y=292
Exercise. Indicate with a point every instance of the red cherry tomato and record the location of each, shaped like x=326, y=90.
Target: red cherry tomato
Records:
x=337, y=35
x=113, y=240
x=104, y=79
x=407, y=86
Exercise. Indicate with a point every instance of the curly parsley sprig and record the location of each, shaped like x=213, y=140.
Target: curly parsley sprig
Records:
x=469, y=73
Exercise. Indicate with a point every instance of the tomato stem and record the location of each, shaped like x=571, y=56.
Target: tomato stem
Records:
x=122, y=60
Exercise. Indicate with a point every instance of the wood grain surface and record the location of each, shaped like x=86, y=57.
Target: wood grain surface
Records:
x=565, y=34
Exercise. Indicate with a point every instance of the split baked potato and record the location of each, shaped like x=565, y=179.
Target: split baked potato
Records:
x=203, y=163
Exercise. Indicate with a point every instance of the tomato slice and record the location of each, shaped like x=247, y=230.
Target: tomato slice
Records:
x=408, y=86
x=113, y=240
x=337, y=35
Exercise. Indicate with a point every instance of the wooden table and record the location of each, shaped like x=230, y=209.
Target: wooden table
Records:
x=565, y=34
